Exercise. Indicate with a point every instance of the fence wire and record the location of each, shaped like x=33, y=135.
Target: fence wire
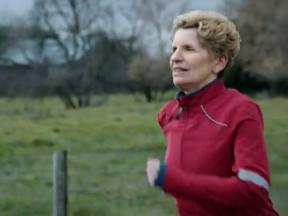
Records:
x=102, y=183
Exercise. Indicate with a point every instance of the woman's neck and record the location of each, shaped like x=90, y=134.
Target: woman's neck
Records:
x=199, y=87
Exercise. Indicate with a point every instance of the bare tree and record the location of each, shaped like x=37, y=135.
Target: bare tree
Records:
x=129, y=15
x=153, y=75
x=158, y=17
x=153, y=21
x=263, y=36
x=72, y=26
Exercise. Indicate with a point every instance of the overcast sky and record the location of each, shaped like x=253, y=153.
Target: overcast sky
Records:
x=10, y=9
x=17, y=7
x=20, y=7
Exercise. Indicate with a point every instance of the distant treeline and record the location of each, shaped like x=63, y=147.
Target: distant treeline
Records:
x=25, y=81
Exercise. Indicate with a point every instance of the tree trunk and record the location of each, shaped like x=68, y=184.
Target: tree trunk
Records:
x=148, y=93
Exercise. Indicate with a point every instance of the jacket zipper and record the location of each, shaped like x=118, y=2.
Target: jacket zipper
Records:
x=180, y=110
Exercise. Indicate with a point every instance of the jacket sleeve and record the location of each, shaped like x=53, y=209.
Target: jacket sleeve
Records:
x=166, y=113
x=250, y=184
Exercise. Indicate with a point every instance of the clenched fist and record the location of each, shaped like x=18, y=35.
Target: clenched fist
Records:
x=153, y=166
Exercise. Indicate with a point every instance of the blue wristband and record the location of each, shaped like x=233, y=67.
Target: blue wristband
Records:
x=159, y=181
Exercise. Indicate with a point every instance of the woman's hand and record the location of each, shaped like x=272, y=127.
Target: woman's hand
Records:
x=152, y=169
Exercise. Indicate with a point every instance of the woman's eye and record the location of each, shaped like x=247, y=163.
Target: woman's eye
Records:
x=188, y=48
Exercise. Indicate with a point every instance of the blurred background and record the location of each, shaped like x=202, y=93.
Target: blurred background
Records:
x=89, y=77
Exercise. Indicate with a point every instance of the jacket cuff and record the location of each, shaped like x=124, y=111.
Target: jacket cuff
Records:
x=159, y=181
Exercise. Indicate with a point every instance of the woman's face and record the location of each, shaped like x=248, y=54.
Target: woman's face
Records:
x=192, y=65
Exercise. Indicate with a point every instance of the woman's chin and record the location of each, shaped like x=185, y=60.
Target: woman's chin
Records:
x=179, y=81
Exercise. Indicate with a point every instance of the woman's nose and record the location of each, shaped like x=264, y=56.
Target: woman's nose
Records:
x=176, y=56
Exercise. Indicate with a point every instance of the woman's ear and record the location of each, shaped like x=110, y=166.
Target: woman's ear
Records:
x=221, y=64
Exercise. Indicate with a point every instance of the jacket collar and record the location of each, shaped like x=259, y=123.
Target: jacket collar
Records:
x=203, y=95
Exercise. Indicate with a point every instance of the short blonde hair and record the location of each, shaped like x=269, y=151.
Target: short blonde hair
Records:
x=216, y=32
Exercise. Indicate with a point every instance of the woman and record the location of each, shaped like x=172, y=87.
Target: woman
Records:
x=216, y=161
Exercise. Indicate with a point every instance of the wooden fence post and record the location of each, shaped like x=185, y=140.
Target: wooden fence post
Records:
x=60, y=183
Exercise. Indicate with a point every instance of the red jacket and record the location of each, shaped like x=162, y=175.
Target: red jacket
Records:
x=216, y=160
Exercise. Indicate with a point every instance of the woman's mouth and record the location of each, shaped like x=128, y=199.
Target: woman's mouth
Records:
x=179, y=69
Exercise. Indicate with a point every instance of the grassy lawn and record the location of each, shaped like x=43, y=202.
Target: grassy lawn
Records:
x=108, y=147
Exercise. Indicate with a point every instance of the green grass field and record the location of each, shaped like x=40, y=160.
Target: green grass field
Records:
x=108, y=147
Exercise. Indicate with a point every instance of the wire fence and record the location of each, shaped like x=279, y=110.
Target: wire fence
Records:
x=104, y=183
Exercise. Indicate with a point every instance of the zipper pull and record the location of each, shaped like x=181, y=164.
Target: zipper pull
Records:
x=180, y=111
